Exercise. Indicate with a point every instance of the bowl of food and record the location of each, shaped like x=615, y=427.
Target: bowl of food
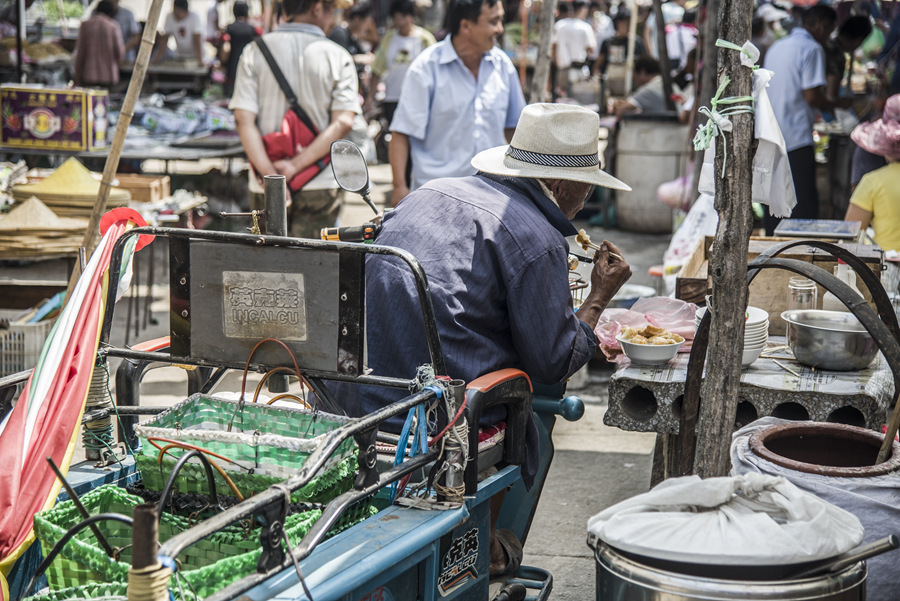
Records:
x=649, y=345
x=834, y=340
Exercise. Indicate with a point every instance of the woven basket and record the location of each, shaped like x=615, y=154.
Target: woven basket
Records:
x=266, y=444
x=192, y=479
x=207, y=566
x=106, y=591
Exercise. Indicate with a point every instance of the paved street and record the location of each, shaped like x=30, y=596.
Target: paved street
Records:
x=594, y=465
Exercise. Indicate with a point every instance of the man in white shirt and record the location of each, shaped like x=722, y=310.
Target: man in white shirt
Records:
x=460, y=96
x=187, y=30
x=323, y=77
x=796, y=91
x=573, y=42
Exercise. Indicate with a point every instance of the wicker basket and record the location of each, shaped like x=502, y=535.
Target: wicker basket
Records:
x=266, y=445
x=207, y=566
x=106, y=591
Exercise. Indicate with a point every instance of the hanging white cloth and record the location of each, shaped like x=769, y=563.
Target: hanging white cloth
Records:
x=772, y=181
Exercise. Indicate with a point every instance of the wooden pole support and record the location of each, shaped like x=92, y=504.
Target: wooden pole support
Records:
x=665, y=66
x=728, y=261
x=115, y=151
x=542, y=65
x=894, y=424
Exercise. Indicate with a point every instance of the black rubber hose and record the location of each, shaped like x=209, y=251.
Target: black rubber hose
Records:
x=170, y=483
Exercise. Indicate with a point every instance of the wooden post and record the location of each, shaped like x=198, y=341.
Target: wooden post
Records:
x=115, y=151
x=524, y=10
x=542, y=66
x=709, y=53
x=665, y=70
x=728, y=261
x=629, y=54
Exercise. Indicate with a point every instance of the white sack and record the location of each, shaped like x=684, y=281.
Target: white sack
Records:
x=752, y=519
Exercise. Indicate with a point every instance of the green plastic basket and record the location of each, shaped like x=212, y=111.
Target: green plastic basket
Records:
x=101, y=591
x=192, y=478
x=207, y=566
x=266, y=445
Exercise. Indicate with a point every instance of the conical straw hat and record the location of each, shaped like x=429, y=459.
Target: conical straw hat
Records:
x=70, y=181
x=33, y=215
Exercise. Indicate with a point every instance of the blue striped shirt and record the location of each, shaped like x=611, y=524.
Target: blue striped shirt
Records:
x=495, y=254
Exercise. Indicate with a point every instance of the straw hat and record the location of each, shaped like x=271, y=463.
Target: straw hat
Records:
x=881, y=137
x=552, y=141
x=70, y=191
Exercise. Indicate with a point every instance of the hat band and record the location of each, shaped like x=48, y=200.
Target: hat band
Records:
x=553, y=160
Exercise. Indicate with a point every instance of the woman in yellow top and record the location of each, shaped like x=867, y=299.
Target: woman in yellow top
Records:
x=876, y=199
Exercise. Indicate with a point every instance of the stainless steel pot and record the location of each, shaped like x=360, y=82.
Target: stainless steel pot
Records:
x=620, y=578
x=833, y=340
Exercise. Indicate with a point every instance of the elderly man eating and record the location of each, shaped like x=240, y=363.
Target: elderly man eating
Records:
x=494, y=249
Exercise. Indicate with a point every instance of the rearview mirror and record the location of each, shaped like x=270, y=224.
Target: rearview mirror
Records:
x=349, y=167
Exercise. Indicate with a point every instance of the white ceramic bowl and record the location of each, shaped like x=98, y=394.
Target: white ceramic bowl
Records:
x=756, y=345
x=649, y=354
x=756, y=316
x=750, y=355
x=755, y=337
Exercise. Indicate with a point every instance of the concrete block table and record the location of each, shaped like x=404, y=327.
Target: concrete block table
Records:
x=649, y=398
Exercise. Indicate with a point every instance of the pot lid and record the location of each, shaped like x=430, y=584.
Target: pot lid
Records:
x=752, y=519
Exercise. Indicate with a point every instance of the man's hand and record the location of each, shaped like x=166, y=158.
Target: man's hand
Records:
x=608, y=275
x=285, y=167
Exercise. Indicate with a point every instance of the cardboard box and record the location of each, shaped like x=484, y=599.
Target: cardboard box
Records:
x=769, y=290
x=42, y=118
x=145, y=188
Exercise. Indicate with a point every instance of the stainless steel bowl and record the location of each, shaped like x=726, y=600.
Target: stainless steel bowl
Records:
x=832, y=340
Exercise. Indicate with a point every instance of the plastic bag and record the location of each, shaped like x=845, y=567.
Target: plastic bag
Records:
x=751, y=519
x=701, y=221
x=676, y=316
x=873, y=499
x=677, y=193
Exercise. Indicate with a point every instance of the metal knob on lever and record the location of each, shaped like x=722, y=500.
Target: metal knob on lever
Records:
x=357, y=233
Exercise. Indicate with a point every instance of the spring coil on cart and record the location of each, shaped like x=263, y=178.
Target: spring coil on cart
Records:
x=97, y=434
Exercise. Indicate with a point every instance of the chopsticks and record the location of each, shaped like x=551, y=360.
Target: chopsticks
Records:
x=585, y=241
x=785, y=367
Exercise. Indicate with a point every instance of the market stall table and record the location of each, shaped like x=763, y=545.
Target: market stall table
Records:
x=649, y=398
x=165, y=77
x=223, y=145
